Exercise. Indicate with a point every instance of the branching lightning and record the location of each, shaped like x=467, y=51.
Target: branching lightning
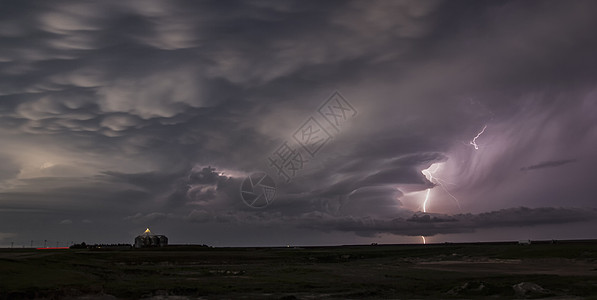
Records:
x=429, y=174
x=474, y=141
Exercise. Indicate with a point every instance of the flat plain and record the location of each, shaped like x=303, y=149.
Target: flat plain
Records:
x=563, y=270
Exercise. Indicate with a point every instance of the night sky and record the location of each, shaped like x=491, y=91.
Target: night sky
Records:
x=121, y=115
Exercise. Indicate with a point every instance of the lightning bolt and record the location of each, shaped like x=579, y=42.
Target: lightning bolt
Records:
x=434, y=167
x=474, y=141
x=429, y=172
x=426, y=199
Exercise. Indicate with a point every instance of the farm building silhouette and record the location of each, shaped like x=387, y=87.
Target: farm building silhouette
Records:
x=148, y=239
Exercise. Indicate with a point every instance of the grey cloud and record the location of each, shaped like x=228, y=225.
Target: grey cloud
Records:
x=8, y=168
x=548, y=164
x=206, y=175
x=162, y=95
x=390, y=171
x=426, y=218
x=198, y=216
x=373, y=201
x=149, y=218
x=524, y=216
x=172, y=190
x=429, y=225
x=148, y=181
x=59, y=170
x=85, y=195
x=120, y=122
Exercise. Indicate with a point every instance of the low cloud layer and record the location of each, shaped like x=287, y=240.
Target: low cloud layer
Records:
x=548, y=164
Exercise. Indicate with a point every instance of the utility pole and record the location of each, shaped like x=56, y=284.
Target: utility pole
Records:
x=12, y=244
x=45, y=242
x=31, y=243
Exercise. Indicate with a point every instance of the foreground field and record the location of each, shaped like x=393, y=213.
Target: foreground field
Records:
x=459, y=271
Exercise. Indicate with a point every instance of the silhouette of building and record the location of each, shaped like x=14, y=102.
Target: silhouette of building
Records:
x=148, y=239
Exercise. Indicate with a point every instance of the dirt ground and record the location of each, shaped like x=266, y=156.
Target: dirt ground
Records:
x=446, y=271
x=547, y=266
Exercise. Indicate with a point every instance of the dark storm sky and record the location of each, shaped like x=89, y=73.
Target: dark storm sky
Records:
x=111, y=110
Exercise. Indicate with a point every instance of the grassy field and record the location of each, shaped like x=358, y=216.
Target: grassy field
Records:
x=450, y=271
